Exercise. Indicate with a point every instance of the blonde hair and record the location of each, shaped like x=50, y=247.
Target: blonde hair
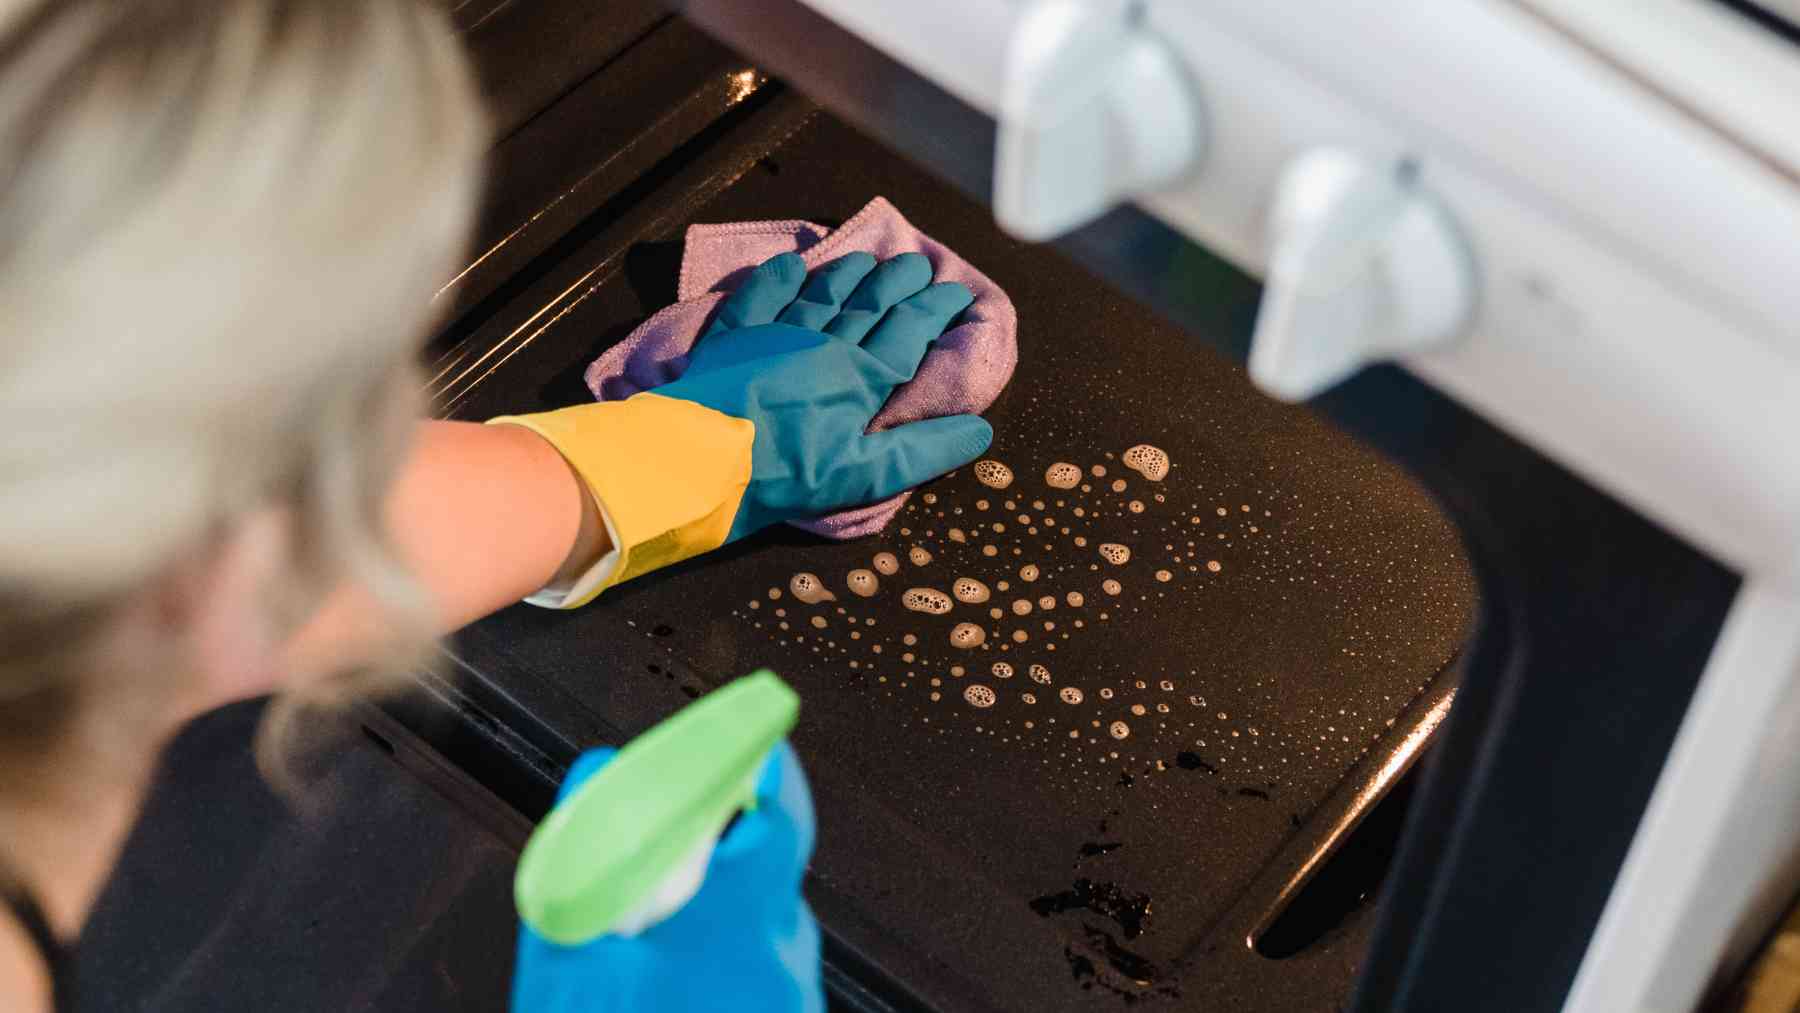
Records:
x=220, y=227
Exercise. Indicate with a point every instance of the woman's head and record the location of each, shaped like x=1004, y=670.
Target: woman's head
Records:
x=221, y=227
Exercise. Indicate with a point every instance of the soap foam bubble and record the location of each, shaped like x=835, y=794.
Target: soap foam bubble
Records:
x=1002, y=670
x=978, y=695
x=1213, y=565
x=967, y=636
x=1119, y=730
x=970, y=591
x=1148, y=461
x=928, y=600
x=1164, y=576
x=918, y=556
x=957, y=535
x=1069, y=694
x=993, y=474
x=1062, y=475
x=886, y=563
x=1075, y=599
x=863, y=583
x=810, y=589
x=1111, y=586
x=1114, y=553
x=1039, y=674
x=1021, y=607
x=1029, y=572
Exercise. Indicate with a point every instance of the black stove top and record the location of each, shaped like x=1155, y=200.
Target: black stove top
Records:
x=1147, y=752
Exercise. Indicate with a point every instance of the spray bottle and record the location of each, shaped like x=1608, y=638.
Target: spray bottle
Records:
x=607, y=885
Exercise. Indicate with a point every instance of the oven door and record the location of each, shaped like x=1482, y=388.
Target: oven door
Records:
x=1398, y=580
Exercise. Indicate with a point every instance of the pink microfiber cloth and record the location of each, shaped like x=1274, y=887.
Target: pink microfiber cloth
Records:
x=963, y=373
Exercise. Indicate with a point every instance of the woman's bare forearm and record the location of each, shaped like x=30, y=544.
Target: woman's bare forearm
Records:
x=483, y=515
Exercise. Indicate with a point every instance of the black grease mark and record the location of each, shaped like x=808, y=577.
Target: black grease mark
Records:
x=655, y=669
x=1132, y=965
x=662, y=630
x=1255, y=793
x=1192, y=761
x=1094, y=849
x=1108, y=900
x=1294, y=820
x=1080, y=967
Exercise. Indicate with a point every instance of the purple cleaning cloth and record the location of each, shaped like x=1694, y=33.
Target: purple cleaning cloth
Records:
x=963, y=373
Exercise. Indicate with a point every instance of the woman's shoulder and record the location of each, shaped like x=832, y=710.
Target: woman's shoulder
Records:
x=24, y=975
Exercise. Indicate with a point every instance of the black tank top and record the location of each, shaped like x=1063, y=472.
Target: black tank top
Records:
x=57, y=957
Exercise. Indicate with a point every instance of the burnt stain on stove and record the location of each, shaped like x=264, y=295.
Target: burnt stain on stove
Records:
x=662, y=630
x=1081, y=967
x=1094, y=849
x=1130, y=911
x=1255, y=793
x=1192, y=761
x=1132, y=965
x=1128, y=975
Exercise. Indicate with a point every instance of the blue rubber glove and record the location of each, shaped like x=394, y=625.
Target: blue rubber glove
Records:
x=809, y=361
x=747, y=941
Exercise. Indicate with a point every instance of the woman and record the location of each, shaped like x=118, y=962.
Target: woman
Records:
x=221, y=226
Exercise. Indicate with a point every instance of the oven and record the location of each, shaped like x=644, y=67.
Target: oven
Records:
x=1452, y=670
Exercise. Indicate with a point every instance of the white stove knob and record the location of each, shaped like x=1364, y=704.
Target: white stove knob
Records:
x=1094, y=109
x=1364, y=264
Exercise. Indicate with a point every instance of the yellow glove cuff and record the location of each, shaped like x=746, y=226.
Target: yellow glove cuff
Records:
x=667, y=475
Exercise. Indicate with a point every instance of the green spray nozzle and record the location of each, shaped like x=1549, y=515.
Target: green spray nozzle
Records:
x=603, y=851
